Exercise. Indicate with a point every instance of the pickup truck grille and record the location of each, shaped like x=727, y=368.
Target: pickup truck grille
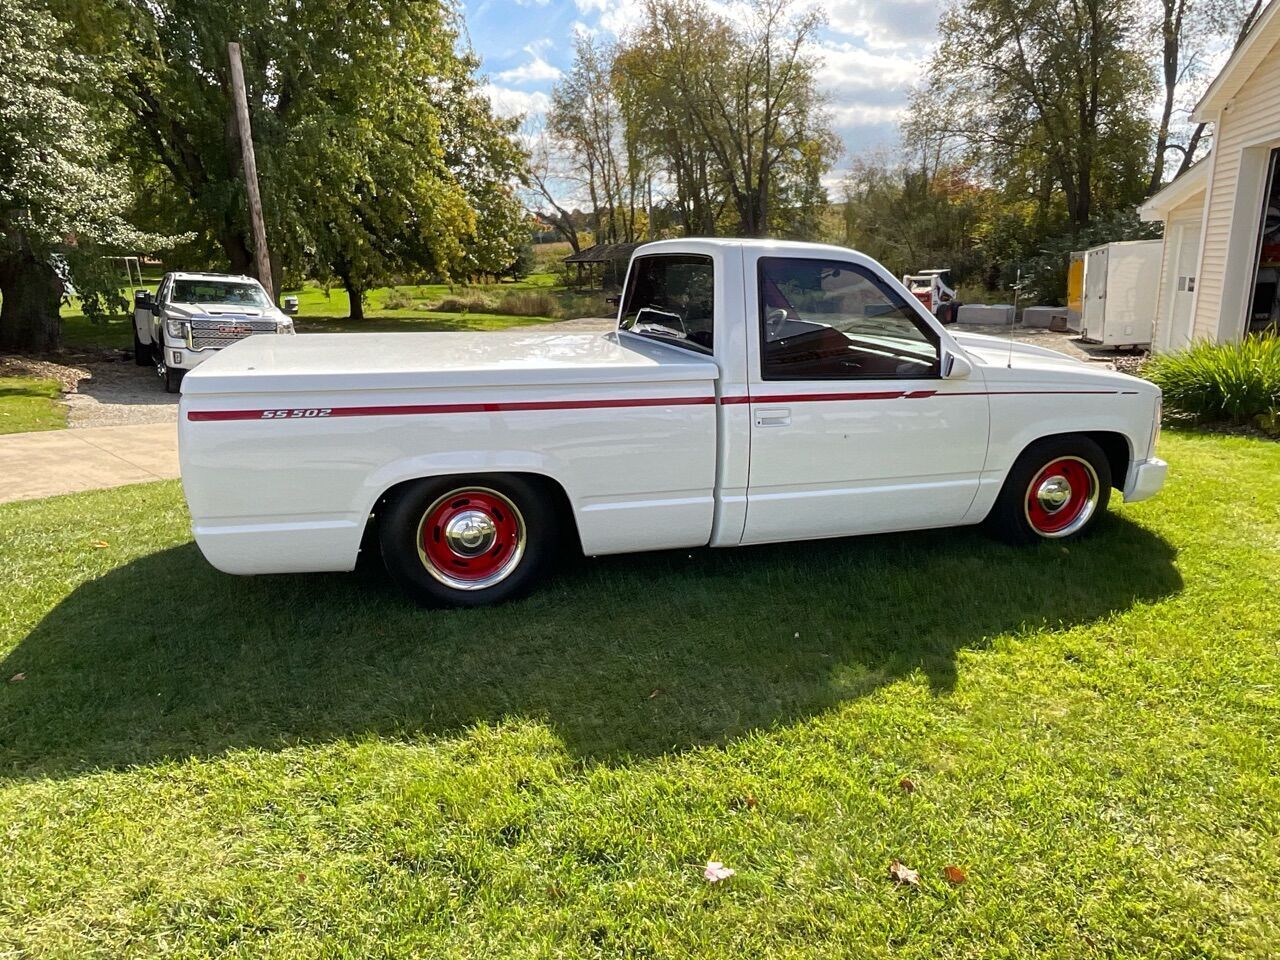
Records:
x=225, y=330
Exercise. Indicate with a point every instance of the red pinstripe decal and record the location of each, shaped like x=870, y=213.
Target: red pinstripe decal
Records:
x=406, y=410
x=426, y=409
x=899, y=394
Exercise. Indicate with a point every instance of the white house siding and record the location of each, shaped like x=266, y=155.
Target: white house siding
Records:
x=1252, y=120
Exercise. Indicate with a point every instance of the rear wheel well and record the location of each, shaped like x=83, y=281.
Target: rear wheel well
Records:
x=554, y=492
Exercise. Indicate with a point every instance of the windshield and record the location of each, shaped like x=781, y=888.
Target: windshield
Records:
x=241, y=293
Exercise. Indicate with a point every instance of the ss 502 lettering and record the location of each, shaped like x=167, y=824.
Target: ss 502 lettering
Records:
x=297, y=414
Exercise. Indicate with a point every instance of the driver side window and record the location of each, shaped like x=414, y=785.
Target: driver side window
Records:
x=829, y=320
x=670, y=297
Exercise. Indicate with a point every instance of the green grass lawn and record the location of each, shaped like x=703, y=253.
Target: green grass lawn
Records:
x=31, y=403
x=305, y=766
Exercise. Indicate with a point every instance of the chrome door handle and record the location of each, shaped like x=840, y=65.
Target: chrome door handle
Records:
x=779, y=417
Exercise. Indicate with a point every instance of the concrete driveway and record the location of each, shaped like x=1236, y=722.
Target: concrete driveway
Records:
x=35, y=465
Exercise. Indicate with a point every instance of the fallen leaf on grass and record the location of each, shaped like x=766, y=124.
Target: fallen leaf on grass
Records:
x=907, y=785
x=715, y=871
x=954, y=875
x=655, y=692
x=901, y=873
x=100, y=544
x=743, y=803
x=17, y=678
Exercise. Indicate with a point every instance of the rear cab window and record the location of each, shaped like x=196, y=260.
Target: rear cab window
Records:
x=670, y=298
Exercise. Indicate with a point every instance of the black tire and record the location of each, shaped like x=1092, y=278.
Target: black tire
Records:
x=141, y=352
x=172, y=380
x=435, y=569
x=1027, y=510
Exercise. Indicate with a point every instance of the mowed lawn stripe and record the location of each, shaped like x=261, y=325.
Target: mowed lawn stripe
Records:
x=201, y=765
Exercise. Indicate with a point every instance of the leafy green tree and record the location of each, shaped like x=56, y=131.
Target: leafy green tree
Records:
x=62, y=197
x=377, y=152
x=744, y=94
x=1047, y=97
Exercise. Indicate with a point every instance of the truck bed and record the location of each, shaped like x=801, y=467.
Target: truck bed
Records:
x=288, y=443
x=346, y=361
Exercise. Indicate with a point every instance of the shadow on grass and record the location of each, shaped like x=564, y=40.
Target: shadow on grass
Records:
x=623, y=657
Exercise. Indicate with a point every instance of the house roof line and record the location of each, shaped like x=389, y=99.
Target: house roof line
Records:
x=1176, y=192
x=1241, y=65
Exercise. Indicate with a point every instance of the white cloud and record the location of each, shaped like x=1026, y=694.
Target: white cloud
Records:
x=901, y=24
x=511, y=103
x=868, y=90
x=612, y=16
x=537, y=70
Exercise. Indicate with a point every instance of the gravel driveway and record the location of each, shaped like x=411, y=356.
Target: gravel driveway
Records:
x=119, y=392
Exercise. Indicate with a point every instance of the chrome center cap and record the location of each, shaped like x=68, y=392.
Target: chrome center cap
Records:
x=1054, y=493
x=470, y=533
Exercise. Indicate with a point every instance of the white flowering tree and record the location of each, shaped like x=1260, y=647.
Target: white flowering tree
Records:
x=61, y=195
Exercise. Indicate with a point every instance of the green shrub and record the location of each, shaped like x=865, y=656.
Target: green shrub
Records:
x=472, y=303
x=529, y=303
x=397, y=299
x=1237, y=381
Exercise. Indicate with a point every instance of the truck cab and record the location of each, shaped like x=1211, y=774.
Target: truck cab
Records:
x=193, y=315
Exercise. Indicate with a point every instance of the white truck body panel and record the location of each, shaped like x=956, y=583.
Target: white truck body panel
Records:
x=628, y=432
x=288, y=443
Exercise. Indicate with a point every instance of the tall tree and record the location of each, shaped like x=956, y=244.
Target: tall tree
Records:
x=62, y=198
x=1046, y=91
x=745, y=89
x=377, y=152
x=1233, y=17
x=586, y=118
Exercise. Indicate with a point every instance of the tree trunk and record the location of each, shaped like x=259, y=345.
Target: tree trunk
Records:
x=1171, y=35
x=355, y=294
x=236, y=246
x=32, y=292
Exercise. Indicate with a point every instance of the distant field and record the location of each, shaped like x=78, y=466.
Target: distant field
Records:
x=410, y=307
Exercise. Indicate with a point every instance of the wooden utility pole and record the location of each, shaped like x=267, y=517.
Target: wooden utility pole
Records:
x=238, y=94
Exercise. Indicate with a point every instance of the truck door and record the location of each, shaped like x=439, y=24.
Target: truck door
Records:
x=853, y=428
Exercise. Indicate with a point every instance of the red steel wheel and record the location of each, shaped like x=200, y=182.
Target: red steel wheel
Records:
x=1062, y=497
x=471, y=538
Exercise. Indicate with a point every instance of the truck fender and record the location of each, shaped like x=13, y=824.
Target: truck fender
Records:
x=461, y=463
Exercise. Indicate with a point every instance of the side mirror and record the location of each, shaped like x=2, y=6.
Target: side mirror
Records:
x=142, y=299
x=956, y=367
x=613, y=301
x=290, y=305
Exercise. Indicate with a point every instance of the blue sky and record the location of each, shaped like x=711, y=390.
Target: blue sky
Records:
x=872, y=52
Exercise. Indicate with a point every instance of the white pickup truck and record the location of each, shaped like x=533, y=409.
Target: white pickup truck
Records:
x=193, y=315
x=753, y=392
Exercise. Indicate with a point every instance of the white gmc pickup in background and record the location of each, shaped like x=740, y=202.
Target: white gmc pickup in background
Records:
x=753, y=392
x=193, y=315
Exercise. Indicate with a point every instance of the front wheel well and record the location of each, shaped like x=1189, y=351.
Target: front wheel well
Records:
x=1114, y=445
x=552, y=489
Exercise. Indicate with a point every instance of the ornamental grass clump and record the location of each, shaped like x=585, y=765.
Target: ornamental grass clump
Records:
x=1237, y=382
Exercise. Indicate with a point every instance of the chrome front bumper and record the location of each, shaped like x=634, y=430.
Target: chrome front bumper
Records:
x=1145, y=480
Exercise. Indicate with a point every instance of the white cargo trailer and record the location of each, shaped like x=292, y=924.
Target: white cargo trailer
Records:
x=1121, y=283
